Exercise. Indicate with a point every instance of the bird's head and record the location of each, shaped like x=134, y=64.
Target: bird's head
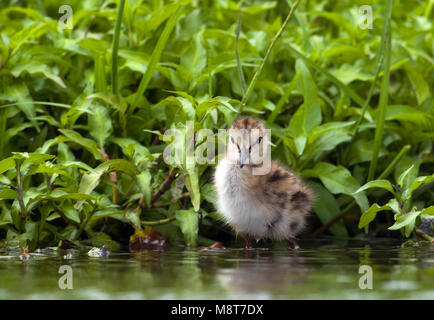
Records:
x=248, y=142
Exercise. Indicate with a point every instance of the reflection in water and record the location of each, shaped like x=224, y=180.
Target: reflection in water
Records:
x=320, y=269
x=260, y=270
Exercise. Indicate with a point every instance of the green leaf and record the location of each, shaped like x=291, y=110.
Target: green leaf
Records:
x=326, y=207
x=88, y=144
x=144, y=184
x=194, y=59
x=8, y=194
x=416, y=183
x=420, y=87
x=7, y=164
x=308, y=114
x=192, y=185
x=382, y=184
x=156, y=54
x=406, y=180
x=100, y=124
x=406, y=220
x=35, y=67
x=338, y=180
x=134, y=218
x=115, y=101
x=428, y=211
x=206, y=107
x=20, y=94
x=371, y=213
x=90, y=181
x=34, y=158
x=189, y=223
x=209, y=193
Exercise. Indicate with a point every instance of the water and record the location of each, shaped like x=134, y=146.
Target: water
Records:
x=320, y=269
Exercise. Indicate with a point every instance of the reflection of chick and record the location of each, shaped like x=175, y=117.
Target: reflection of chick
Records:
x=272, y=205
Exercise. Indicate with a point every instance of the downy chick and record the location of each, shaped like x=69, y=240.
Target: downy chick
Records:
x=273, y=205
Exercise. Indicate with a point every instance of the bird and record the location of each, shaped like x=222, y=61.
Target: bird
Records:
x=273, y=204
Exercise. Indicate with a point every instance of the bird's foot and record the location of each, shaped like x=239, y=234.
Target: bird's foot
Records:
x=248, y=243
x=293, y=244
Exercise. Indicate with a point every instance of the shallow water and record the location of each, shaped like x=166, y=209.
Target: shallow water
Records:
x=320, y=269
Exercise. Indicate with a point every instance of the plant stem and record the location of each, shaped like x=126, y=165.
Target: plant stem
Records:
x=384, y=95
x=259, y=71
x=158, y=222
x=392, y=165
x=239, y=66
x=335, y=219
x=115, y=84
x=424, y=235
x=368, y=99
x=84, y=223
x=164, y=186
x=23, y=212
x=283, y=99
x=371, y=89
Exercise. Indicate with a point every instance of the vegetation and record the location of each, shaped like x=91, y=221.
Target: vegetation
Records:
x=83, y=112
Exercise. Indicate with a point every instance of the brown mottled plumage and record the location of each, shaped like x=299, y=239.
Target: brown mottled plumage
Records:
x=272, y=205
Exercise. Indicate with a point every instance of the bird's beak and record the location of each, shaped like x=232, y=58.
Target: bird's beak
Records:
x=244, y=154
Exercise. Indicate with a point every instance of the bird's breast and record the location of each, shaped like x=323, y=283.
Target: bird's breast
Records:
x=239, y=206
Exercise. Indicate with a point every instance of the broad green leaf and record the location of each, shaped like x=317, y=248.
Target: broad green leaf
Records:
x=338, y=180
x=156, y=54
x=308, y=114
x=416, y=183
x=192, y=185
x=418, y=82
x=7, y=164
x=35, y=67
x=325, y=138
x=326, y=207
x=108, y=213
x=194, y=59
x=428, y=211
x=90, y=181
x=100, y=124
x=406, y=220
x=189, y=223
x=144, y=184
x=206, y=107
x=20, y=94
x=111, y=99
x=8, y=194
x=406, y=180
x=371, y=213
x=88, y=144
x=134, y=219
x=34, y=158
x=382, y=184
x=208, y=192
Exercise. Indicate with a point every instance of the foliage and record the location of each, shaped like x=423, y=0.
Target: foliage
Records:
x=82, y=114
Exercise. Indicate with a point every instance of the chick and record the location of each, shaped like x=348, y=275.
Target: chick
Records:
x=273, y=205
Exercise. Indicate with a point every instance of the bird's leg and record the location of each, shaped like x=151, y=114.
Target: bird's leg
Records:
x=293, y=244
x=248, y=243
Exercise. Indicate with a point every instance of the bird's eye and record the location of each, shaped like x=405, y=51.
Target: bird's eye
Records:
x=259, y=139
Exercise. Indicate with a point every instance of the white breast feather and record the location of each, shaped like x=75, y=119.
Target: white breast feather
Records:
x=237, y=206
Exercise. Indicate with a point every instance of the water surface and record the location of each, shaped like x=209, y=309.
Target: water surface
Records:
x=320, y=269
